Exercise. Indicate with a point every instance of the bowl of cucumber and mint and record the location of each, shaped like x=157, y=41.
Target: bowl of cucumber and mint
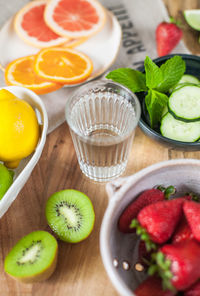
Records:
x=169, y=92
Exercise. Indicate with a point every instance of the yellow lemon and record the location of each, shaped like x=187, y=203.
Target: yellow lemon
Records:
x=19, y=129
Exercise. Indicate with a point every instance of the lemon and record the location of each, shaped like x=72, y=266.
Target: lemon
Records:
x=6, y=179
x=19, y=129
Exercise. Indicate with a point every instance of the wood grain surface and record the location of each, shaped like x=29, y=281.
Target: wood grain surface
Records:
x=80, y=270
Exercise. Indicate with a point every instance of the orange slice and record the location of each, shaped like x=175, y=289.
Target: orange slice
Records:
x=74, y=18
x=20, y=72
x=63, y=65
x=30, y=26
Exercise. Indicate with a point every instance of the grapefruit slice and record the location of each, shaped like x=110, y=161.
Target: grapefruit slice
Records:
x=30, y=26
x=74, y=18
x=63, y=65
x=20, y=72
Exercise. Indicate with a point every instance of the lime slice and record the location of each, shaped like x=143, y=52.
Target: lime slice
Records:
x=6, y=179
x=192, y=17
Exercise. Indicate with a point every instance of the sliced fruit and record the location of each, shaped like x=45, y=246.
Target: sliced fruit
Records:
x=63, y=65
x=75, y=42
x=192, y=17
x=6, y=179
x=74, y=18
x=20, y=72
x=70, y=215
x=178, y=130
x=33, y=258
x=29, y=24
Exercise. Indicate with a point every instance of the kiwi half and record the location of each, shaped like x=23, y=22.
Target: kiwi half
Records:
x=33, y=258
x=70, y=215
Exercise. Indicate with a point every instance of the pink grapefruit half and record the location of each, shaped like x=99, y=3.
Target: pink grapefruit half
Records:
x=30, y=26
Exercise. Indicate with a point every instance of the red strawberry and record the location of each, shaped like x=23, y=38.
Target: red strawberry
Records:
x=194, y=290
x=192, y=212
x=152, y=286
x=147, y=197
x=161, y=218
x=168, y=36
x=184, y=266
x=182, y=232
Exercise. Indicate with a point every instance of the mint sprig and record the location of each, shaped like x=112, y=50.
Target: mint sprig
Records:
x=153, y=74
x=157, y=81
x=172, y=70
x=132, y=79
x=155, y=102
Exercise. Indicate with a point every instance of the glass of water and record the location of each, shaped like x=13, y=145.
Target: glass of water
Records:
x=102, y=117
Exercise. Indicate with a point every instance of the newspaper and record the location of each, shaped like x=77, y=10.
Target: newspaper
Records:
x=138, y=20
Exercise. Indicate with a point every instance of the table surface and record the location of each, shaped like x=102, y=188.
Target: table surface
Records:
x=79, y=270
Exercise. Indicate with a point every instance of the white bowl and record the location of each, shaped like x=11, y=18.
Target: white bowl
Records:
x=184, y=174
x=26, y=166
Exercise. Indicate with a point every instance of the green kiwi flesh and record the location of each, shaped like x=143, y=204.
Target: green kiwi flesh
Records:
x=70, y=215
x=33, y=258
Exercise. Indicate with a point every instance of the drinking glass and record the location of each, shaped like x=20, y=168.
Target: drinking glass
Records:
x=102, y=117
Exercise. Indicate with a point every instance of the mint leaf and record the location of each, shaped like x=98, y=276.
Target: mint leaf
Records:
x=153, y=73
x=155, y=103
x=133, y=79
x=172, y=71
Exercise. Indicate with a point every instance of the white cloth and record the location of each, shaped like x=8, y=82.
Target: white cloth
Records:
x=138, y=20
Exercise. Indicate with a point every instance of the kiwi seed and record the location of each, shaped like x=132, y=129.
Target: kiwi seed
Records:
x=33, y=258
x=70, y=215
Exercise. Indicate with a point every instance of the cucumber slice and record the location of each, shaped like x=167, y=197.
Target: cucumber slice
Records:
x=179, y=130
x=184, y=103
x=165, y=111
x=188, y=78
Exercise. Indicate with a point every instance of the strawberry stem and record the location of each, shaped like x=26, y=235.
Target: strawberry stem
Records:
x=141, y=231
x=176, y=22
x=170, y=190
x=162, y=267
x=194, y=197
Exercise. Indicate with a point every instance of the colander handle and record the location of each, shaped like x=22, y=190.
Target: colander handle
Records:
x=115, y=186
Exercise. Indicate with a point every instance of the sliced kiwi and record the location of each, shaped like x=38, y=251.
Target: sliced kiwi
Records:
x=33, y=258
x=70, y=215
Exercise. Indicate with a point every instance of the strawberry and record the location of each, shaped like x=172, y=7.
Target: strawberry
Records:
x=194, y=290
x=152, y=286
x=178, y=264
x=182, y=232
x=143, y=255
x=168, y=36
x=192, y=212
x=147, y=197
x=160, y=219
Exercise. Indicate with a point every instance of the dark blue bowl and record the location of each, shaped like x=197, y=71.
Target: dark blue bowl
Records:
x=193, y=68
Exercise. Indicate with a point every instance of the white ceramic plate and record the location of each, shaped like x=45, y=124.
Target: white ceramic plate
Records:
x=26, y=166
x=102, y=48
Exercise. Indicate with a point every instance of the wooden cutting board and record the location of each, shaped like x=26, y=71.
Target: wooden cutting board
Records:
x=80, y=270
